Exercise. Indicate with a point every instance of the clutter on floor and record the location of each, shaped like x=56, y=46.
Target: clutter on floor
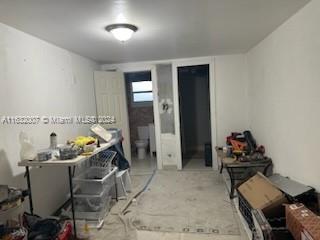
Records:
x=11, y=197
x=262, y=203
x=11, y=210
x=262, y=195
x=243, y=158
x=302, y=223
x=259, y=193
x=47, y=229
x=17, y=225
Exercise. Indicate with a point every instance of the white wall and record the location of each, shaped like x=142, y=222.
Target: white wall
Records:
x=284, y=73
x=231, y=95
x=37, y=78
x=164, y=76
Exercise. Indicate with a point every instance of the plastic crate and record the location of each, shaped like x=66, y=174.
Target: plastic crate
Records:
x=92, y=207
x=94, y=215
x=271, y=228
x=95, y=180
x=103, y=159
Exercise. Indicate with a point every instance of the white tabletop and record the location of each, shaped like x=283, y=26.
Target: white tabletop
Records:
x=69, y=162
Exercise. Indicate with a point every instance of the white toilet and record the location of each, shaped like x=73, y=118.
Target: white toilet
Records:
x=143, y=142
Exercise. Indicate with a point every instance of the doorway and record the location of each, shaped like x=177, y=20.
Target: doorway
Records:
x=139, y=92
x=195, y=123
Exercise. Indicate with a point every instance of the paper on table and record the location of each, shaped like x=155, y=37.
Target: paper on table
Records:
x=101, y=132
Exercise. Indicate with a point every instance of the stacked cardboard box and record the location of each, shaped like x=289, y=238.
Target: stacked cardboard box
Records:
x=302, y=223
x=259, y=193
x=262, y=194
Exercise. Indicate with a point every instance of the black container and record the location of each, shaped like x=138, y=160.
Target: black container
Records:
x=273, y=228
x=245, y=210
x=270, y=228
x=208, y=154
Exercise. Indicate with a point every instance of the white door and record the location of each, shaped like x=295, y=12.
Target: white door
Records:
x=111, y=101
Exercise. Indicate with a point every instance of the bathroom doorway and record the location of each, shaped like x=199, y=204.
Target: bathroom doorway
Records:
x=139, y=91
x=195, y=123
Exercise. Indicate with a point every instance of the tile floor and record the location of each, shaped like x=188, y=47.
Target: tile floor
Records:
x=195, y=164
x=187, y=202
x=194, y=161
x=143, y=165
x=121, y=228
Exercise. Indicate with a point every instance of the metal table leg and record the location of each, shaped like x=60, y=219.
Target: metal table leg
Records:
x=232, y=188
x=232, y=182
x=221, y=167
x=116, y=185
x=72, y=202
x=29, y=190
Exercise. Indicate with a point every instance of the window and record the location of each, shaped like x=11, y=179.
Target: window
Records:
x=140, y=87
x=142, y=91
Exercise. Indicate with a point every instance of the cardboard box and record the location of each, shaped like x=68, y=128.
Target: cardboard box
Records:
x=262, y=194
x=302, y=223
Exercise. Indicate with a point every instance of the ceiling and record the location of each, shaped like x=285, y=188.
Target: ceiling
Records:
x=167, y=28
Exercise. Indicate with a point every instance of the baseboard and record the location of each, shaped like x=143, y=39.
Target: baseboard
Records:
x=170, y=167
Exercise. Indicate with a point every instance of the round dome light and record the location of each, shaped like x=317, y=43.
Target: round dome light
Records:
x=122, y=31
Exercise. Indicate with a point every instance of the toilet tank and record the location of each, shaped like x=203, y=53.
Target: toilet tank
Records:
x=143, y=132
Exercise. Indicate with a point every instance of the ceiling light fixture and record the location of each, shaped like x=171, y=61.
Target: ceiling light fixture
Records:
x=122, y=31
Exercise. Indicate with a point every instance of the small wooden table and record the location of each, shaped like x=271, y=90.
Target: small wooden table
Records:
x=223, y=158
x=240, y=171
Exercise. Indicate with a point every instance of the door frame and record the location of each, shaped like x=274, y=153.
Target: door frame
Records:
x=176, y=104
x=156, y=115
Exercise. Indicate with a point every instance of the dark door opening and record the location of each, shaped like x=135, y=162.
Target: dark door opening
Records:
x=195, y=125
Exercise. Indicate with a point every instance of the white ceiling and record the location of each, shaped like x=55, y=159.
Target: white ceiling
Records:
x=167, y=28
